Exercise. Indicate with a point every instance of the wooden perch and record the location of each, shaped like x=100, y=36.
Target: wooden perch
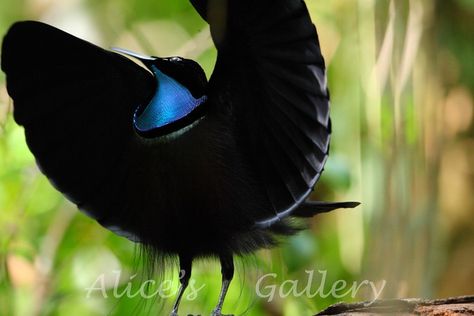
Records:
x=463, y=305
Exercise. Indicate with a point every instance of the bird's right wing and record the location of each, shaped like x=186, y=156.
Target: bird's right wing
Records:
x=76, y=103
x=270, y=73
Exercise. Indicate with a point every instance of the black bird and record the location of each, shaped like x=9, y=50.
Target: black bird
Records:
x=187, y=168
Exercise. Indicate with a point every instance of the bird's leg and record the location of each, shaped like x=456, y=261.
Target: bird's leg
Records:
x=227, y=269
x=185, y=266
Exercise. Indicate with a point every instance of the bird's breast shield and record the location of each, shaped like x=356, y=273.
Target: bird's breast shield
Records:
x=176, y=102
x=171, y=102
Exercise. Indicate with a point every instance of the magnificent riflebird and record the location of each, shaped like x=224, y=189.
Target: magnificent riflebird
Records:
x=186, y=167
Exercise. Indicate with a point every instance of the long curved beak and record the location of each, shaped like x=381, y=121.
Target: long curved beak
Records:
x=146, y=60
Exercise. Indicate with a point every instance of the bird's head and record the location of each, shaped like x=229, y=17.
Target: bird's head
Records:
x=185, y=71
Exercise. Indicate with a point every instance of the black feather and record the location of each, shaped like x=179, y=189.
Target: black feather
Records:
x=312, y=208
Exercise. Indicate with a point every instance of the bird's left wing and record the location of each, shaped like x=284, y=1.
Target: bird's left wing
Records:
x=270, y=73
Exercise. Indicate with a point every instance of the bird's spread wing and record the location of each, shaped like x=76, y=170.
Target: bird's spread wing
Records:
x=76, y=102
x=271, y=72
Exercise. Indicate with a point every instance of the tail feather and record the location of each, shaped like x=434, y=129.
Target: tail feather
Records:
x=311, y=208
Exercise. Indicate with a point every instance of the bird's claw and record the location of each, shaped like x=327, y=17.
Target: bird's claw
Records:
x=217, y=312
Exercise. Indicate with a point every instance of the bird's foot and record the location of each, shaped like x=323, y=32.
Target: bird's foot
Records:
x=218, y=312
x=175, y=313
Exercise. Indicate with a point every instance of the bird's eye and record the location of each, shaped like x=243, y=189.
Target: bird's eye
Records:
x=175, y=59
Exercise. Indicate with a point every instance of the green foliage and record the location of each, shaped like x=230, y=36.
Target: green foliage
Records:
x=401, y=117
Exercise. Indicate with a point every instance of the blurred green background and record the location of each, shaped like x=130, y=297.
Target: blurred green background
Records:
x=401, y=75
